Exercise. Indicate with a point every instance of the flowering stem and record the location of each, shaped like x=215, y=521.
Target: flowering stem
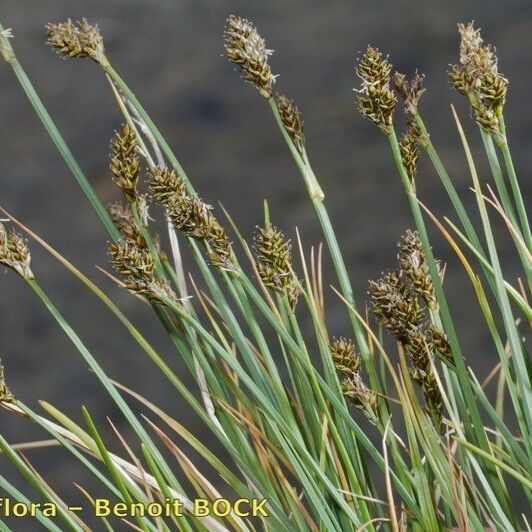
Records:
x=475, y=428
x=521, y=210
x=317, y=196
x=448, y=185
x=505, y=199
x=440, y=296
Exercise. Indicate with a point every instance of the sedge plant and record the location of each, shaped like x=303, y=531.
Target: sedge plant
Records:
x=303, y=419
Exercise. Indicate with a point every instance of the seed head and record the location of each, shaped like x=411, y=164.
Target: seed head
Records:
x=134, y=263
x=291, y=118
x=440, y=343
x=79, y=39
x=478, y=78
x=486, y=118
x=410, y=92
x=470, y=41
x=409, y=147
x=344, y=357
x=274, y=262
x=362, y=397
x=125, y=221
x=137, y=267
x=125, y=161
x=14, y=253
x=221, y=255
x=191, y=216
x=418, y=348
x=413, y=263
x=492, y=89
x=431, y=391
x=5, y=394
x=396, y=308
x=373, y=68
x=459, y=79
x=247, y=50
x=165, y=183
x=375, y=101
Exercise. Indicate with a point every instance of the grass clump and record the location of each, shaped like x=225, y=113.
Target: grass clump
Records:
x=277, y=401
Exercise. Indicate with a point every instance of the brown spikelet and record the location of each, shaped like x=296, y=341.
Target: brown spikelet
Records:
x=413, y=263
x=459, y=79
x=478, y=77
x=5, y=394
x=417, y=347
x=247, y=50
x=493, y=89
x=362, y=397
x=125, y=161
x=15, y=254
x=221, y=255
x=137, y=268
x=373, y=68
x=165, y=183
x=411, y=91
x=291, y=118
x=396, y=308
x=191, y=216
x=440, y=343
x=79, y=39
x=133, y=262
x=344, y=357
x=375, y=100
x=432, y=394
x=409, y=147
x=274, y=262
x=125, y=222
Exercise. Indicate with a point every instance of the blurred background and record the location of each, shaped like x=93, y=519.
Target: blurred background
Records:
x=170, y=53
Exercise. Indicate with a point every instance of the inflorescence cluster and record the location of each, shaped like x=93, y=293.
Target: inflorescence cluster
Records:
x=401, y=300
x=274, y=262
x=478, y=78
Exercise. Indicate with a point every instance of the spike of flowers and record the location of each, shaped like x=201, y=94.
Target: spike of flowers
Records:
x=411, y=91
x=478, y=78
x=137, y=267
x=344, y=357
x=354, y=388
x=292, y=121
x=409, y=147
x=275, y=262
x=125, y=221
x=375, y=101
x=15, y=254
x=125, y=162
x=247, y=50
x=76, y=39
x=191, y=216
x=413, y=263
x=440, y=343
x=396, y=308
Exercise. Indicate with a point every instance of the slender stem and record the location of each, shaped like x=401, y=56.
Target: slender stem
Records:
x=498, y=177
x=514, y=183
x=518, y=356
x=449, y=186
x=317, y=197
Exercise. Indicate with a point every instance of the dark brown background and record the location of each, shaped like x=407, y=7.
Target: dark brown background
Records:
x=170, y=53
